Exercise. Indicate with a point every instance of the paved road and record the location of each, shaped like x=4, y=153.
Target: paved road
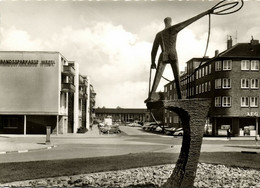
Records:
x=91, y=144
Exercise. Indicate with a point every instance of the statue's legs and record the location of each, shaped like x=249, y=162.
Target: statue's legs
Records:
x=175, y=69
x=157, y=78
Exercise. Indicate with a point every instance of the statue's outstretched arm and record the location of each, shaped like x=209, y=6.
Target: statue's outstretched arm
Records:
x=185, y=23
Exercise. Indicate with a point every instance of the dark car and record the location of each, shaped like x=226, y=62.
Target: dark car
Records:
x=114, y=129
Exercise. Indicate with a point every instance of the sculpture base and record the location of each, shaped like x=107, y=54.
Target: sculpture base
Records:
x=193, y=113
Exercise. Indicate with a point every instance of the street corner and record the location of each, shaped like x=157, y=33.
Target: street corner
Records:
x=12, y=147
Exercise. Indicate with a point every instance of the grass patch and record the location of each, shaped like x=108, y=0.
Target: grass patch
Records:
x=20, y=171
x=232, y=159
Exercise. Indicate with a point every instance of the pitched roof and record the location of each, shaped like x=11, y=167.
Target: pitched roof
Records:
x=242, y=50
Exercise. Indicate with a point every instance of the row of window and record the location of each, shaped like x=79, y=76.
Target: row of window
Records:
x=225, y=83
x=223, y=101
x=174, y=119
x=254, y=84
x=245, y=65
x=245, y=101
x=226, y=64
x=205, y=87
x=249, y=101
x=204, y=71
x=223, y=65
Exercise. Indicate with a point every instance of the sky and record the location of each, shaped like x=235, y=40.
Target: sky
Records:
x=112, y=40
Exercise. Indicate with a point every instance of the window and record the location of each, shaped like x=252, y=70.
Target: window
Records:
x=254, y=83
x=218, y=84
x=244, y=83
x=253, y=102
x=203, y=72
x=244, y=101
x=218, y=65
x=206, y=86
x=10, y=122
x=199, y=73
x=255, y=65
x=217, y=101
x=175, y=119
x=210, y=69
x=165, y=89
x=226, y=101
x=206, y=70
x=209, y=86
x=170, y=87
x=197, y=89
x=227, y=64
x=202, y=88
x=245, y=64
x=226, y=83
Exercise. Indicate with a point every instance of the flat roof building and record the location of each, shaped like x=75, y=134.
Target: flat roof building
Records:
x=121, y=114
x=39, y=89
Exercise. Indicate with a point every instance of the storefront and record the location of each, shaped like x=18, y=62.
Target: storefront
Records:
x=239, y=126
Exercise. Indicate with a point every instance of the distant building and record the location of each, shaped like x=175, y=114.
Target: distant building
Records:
x=39, y=89
x=121, y=114
x=231, y=81
x=92, y=103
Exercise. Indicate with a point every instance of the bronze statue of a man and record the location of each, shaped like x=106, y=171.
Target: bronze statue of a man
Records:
x=167, y=40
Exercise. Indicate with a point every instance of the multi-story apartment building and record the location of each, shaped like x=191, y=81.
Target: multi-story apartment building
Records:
x=231, y=81
x=39, y=89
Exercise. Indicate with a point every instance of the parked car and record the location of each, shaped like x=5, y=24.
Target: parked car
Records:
x=134, y=124
x=114, y=129
x=170, y=131
x=178, y=132
x=152, y=127
x=127, y=123
x=158, y=129
x=147, y=125
x=141, y=123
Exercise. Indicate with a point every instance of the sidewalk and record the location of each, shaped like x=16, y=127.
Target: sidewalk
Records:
x=14, y=143
x=244, y=138
x=18, y=147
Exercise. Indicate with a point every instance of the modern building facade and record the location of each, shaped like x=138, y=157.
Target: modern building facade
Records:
x=39, y=89
x=121, y=114
x=231, y=81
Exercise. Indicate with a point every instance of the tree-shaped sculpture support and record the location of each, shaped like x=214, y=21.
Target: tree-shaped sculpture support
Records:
x=193, y=113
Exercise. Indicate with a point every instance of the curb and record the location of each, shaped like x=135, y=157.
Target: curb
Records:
x=27, y=150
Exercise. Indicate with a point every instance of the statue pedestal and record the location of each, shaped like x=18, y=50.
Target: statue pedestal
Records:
x=193, y=113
